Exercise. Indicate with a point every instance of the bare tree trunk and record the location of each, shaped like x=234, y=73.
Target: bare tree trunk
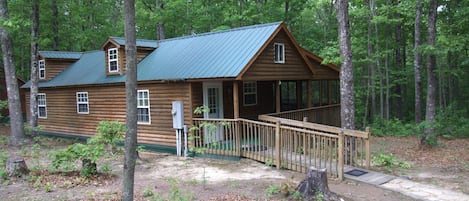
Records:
x=160, y=28
x=315, y=185
x=418, y=62
x=347, y=112
x=430, y=113
x=131, y=100
x=55, y=25
x=34, y=67
x=14, y=103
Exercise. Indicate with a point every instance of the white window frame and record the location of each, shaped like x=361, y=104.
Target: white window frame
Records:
x=141, y=105
x=42, y=68
x=249, y=88
x=279, y=53
x=113, y=57
x=41, y=104
x=83, y=99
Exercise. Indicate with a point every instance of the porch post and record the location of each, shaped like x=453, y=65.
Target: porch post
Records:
x=277, y=96
x=308, y=94
x=235, y=100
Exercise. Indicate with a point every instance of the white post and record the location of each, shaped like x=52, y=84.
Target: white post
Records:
x=185, y=140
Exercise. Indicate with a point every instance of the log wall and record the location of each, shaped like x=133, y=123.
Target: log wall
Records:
x=108, y=103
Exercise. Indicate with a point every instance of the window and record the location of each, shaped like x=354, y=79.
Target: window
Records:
x=41, y=105
x=143, y=107
x=113, y=60
x=82, y=103
x=42, y=69
x=279, y=49
x=250, y=93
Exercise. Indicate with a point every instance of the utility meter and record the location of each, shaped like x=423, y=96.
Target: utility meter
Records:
x=178, y=114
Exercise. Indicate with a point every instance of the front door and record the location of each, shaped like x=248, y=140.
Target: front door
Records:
x=213, y=99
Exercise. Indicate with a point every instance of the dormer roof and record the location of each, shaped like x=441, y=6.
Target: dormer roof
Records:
x=119, y=41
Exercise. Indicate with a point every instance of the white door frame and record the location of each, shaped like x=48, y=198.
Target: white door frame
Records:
x=219, y=100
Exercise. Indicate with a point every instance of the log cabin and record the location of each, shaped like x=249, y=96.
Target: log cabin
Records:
x=237, y=73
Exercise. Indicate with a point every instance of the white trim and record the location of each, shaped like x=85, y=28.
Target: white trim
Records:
x=83, y=100
x=42, y=67
x=145, y=105
x=279, y=53
x=219, y=87
x=113, y=56
x=251, y=92
x=41, y=103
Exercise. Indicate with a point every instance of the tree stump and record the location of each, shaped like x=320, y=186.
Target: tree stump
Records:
x=16, y=167
x=315, y=187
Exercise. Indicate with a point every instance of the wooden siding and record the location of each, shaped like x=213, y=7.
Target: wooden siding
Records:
x=141, y=54
x=197, y=96
x=322, y=72
x=108, y=103
x=265, y=100
x=264, y=68
x=56, y=66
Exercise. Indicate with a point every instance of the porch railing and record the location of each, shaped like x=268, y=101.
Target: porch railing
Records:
x=327, y=115
x=279, y=142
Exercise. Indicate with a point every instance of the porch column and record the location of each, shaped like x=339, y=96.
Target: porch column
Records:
x=235, y=100
x=308, y=94
x=277, y=96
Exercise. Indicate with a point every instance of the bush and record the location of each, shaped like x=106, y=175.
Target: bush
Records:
x=452, y=123
x=394, y=127
x=109, y=133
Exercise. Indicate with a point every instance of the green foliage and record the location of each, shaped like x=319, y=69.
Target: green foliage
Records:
x=109, y=133
x=389, y=161
x=147, y=192
x=394, y=127
x=3, y=105
x=174, y=193
x=272, y=189
x=28, y=130
x=48, y=187
x=452, y=123
x=105, y=168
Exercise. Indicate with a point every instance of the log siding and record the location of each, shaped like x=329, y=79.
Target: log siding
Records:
x=108, y=103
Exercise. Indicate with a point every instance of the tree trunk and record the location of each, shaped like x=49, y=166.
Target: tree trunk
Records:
x=429, y=133
x=160, y=28
x=347, y=111
x=315, y=187
x=418, y=62
x=14, y=103
x=16, y=167
x=131, y=101
x=55, y=25
x=34, y=67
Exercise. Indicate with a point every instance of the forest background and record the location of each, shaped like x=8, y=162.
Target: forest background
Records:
x=382, y=35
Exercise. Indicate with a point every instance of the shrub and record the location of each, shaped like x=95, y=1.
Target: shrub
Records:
x=394, y=127
x=109, y=133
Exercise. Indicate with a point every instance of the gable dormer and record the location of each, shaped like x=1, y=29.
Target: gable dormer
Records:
x=114, y=50
x=51, y=63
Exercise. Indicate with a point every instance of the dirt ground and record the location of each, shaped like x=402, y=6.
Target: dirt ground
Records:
x=167, y=177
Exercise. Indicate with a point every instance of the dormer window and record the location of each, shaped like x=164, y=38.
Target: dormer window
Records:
x=113, y=60
x=279, y=51
x=42, y=69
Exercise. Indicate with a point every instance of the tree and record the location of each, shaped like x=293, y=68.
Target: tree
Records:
x=347, y=110
x=428, y=136
x=14, y=103
x=131, y=100
x=34, y=66
x=417, y=62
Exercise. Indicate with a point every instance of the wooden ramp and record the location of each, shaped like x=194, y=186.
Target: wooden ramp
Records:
x=370, y=177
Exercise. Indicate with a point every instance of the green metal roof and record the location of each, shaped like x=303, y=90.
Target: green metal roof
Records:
x=89, y=69
x=211, y=55
x=222, y=54
x=60, y=55
x=140, y=42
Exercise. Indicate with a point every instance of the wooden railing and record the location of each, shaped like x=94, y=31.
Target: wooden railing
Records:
x=327, y=115
x=280, y=142
x=353, y=145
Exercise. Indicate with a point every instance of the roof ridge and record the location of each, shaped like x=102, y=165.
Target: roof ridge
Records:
x=223, y=31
